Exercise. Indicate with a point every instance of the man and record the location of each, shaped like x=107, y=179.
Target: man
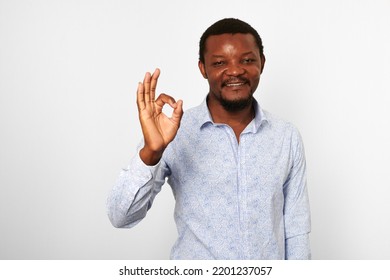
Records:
x=237, y=173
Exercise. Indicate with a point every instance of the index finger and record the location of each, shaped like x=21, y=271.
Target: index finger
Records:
x=153, y=84
x=140, y=97
x=146, y=84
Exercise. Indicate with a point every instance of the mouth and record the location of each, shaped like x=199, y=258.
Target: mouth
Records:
x=235, y=83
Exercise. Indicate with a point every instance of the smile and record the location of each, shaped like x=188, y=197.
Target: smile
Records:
x=235, y=84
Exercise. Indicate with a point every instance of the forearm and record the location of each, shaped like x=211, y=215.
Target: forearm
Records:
x=133, y=193
x=296, y=207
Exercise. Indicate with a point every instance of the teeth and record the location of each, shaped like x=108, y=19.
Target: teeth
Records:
x=234, y=85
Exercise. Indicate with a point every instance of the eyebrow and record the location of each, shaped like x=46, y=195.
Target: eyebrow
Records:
x=250, y=52
x=222, y=56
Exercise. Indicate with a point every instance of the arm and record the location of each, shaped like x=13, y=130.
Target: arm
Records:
x=134, y=192
x=296, y=205
x=137, y=186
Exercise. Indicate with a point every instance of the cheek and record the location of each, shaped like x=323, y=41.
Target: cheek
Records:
x=215, y=77
x=256, y=71
x=256, y=74
x=256, y=80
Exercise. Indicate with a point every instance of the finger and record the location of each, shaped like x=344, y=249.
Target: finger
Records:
x=177, y=112
x=164, y=99
x=147, y=87
x=140, y=96
x=153, y=84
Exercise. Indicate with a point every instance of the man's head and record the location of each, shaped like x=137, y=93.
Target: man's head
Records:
x=228, y=26
x=231, y=59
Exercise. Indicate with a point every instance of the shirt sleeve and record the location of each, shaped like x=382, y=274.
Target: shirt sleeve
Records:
x=296, y=205
x=134, y=192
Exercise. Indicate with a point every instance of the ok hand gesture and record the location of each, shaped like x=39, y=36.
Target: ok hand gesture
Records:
x=158, y=129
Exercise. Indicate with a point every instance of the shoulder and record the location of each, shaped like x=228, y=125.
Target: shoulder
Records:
x=281, y=129
x=194, y=117
x=287, y=133
x=278, y=124
x=195, y=111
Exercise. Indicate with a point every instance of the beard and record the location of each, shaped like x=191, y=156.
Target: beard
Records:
x=236, y=105
x=240, y=103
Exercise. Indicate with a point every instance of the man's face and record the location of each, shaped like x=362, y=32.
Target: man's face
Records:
x=232, y=66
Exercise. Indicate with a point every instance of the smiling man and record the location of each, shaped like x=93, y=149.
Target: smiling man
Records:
x=237, y=173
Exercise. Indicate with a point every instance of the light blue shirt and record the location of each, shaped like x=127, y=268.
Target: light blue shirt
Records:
x=245, y=200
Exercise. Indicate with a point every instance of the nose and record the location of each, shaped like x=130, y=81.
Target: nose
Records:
x=234, y=70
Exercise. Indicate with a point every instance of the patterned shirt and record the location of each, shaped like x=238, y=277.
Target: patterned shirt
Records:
x=245, y=200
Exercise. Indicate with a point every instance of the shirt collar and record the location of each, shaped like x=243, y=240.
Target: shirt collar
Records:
x=260, y=117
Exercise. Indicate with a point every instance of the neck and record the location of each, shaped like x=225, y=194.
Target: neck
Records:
x=220, y=114
x=237, y=120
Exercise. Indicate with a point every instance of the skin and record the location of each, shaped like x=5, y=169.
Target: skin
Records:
x=157, y=128
x=232, y=66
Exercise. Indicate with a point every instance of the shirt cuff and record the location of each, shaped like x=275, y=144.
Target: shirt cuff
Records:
x=298, y=248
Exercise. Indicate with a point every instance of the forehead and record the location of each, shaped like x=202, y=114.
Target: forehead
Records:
x=231, y=43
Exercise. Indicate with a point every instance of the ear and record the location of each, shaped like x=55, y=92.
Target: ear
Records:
x=202, y=69
x=262, y=63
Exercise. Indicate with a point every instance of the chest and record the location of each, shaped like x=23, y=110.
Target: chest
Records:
x=216, y=163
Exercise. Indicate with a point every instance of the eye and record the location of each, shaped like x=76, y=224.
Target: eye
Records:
x=218, y=63
x=248, y=60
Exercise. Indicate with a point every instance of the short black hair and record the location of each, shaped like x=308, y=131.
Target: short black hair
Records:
x=228, y=26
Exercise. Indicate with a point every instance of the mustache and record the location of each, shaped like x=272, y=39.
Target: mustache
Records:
x=235, y=81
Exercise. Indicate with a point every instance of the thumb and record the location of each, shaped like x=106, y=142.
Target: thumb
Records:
x=177, y=112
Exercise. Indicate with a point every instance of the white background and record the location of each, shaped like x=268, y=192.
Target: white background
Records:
x=68, y=118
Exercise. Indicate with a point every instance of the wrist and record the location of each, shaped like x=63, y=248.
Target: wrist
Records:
x=150, y=157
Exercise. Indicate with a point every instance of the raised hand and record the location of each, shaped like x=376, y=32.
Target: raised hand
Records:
x=158, y=129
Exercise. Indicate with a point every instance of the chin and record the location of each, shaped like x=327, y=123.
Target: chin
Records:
x=237, y=93
x=236, y=105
